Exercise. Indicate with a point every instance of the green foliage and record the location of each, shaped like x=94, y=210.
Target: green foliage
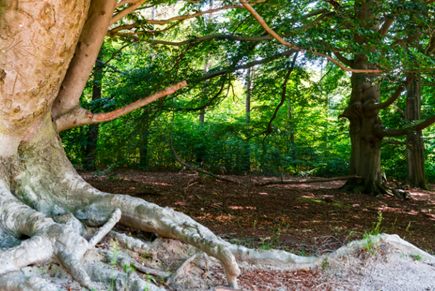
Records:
x=305, y=138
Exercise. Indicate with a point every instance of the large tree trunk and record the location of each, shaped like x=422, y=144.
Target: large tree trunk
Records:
x=37, y=182
x=416, y=175
x=365, y=159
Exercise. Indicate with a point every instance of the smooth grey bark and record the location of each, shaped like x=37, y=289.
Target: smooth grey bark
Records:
x=415, y=175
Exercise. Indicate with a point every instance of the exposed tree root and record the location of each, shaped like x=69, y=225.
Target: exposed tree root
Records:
x=124, y=260
x=16, y=281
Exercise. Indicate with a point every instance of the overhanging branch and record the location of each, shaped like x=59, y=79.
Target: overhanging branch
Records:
x=249, y=65
x=85, y=55
x=386, y=26
x=390, y=100
x=80, y=116
x=292, y=46
x=404, y=131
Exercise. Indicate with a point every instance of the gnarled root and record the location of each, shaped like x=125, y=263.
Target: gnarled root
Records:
x=16, y=281
x=48, y=242
x=166, y=222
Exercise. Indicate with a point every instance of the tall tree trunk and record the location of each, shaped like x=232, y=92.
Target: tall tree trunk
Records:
x=292, y=132
x=47, y=51
x=415, y=175
x=246, y=163
x=143, y=139
x=92, y=139
x=365, y=159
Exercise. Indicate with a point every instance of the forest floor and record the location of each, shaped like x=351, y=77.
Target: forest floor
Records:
x=305, y=219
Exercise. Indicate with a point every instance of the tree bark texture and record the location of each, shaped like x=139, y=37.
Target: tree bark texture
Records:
x=416, y=175
x=47, y=51
x=365, y=159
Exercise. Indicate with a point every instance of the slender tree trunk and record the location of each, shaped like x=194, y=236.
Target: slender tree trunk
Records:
x=246, y=163
x=416, y=175
x=292, y=132
x=144, y=139
x=92, y=140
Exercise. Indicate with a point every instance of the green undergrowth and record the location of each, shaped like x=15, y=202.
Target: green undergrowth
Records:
x=311, y=200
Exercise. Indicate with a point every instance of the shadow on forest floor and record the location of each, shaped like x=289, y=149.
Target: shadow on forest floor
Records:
x=305, y=219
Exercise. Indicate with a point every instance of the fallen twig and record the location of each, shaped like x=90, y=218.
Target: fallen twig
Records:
x=306, y=181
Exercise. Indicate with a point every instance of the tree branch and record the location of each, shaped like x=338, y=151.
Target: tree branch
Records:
x=85, y=54
x=283, y=95
x=79, y=116
x=249, y=65
x=400, y=110
x=287, y=44
x=317, y=12
x=386, y=26
x=126, y=11
x=124, y=2
x=342, y=59
x=390, y=100
x=391, y=141
x=212, y=36
x=306, y=181
x=181, y=17
x=404, y=131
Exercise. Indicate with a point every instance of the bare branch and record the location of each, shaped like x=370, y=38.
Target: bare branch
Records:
x=400, y=110
x=306, y=181
x=79, y=116
x=287, y=44
x=85, y=54
x=185, y=17
x=391, y=141
x=390, y=100
x=317, y=12
x=127, y=11
x=124, y=2
x=283, y=95
x=386, y=26
x=249, y=65
x=208, y=37
x=342, y=59
x=130, y=9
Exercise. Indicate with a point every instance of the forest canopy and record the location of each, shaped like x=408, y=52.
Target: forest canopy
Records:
x=266, y=89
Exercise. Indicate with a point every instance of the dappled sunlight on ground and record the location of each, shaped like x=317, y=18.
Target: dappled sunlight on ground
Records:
x=293, y=217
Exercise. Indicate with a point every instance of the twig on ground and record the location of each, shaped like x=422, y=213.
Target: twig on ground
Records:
x=276, y=221
x=306, y=181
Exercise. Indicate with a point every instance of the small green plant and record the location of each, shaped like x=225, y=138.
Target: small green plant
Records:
x=325, y=264
x=376, y=230
x=407, y=228
x=394, y=224
x=115, y=253
x=416, y=257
